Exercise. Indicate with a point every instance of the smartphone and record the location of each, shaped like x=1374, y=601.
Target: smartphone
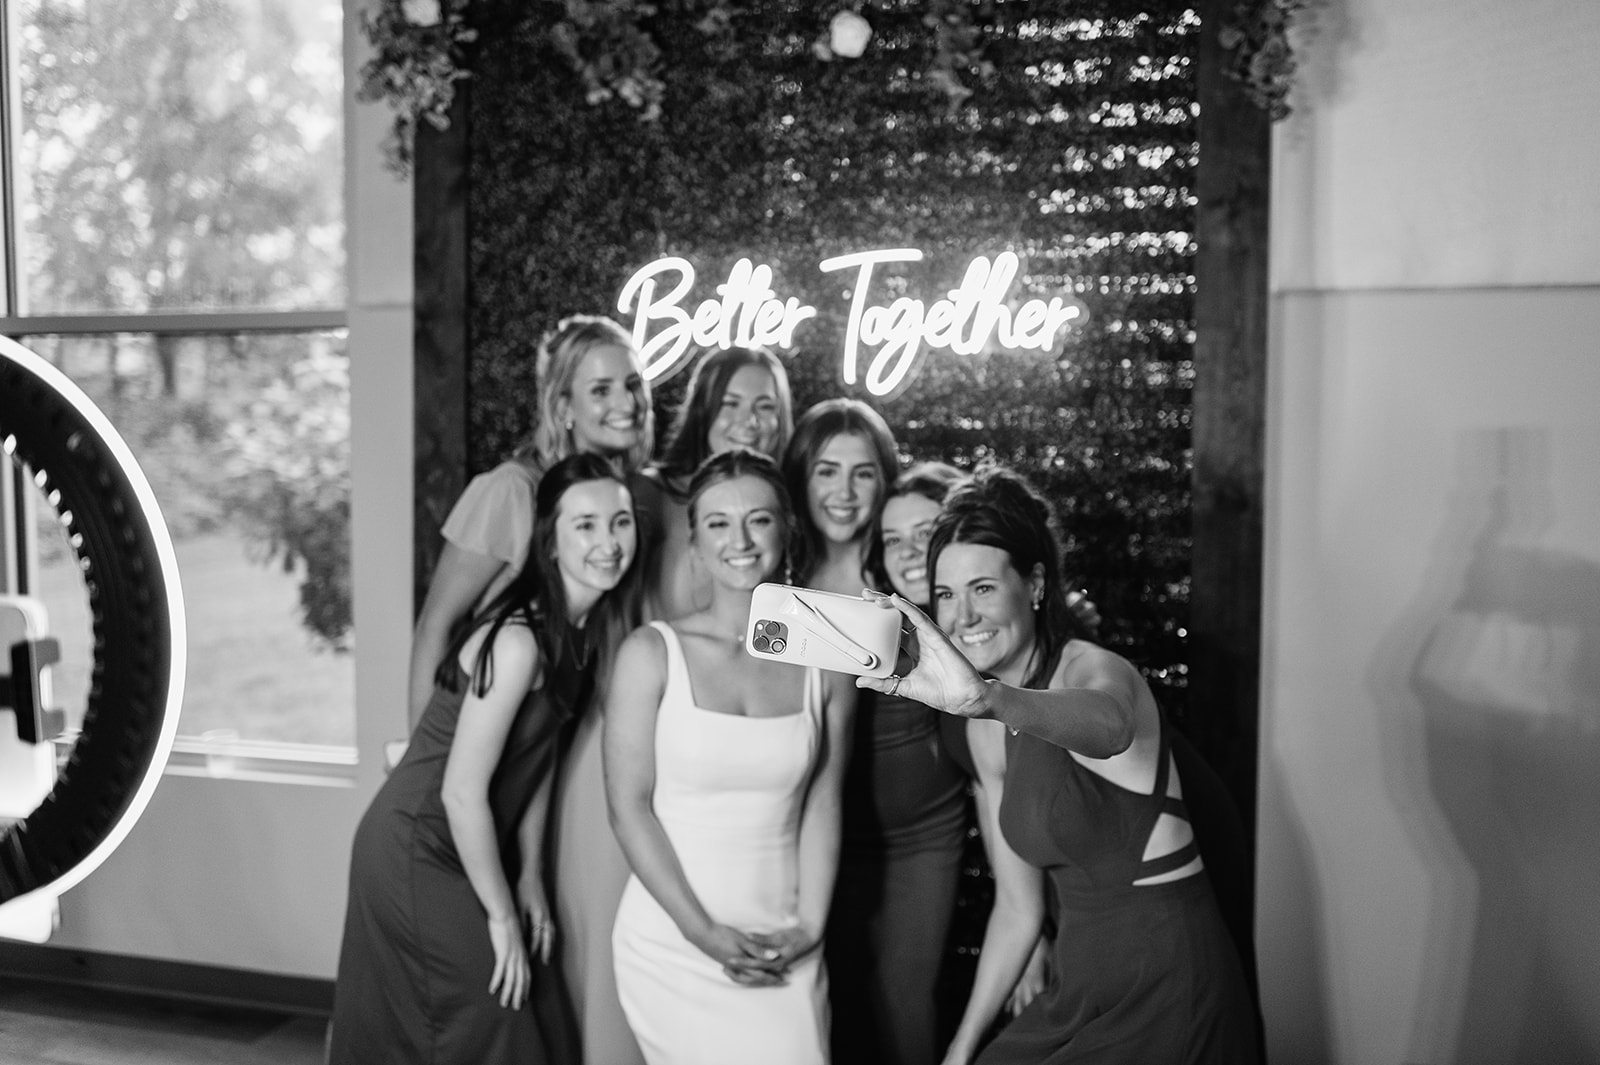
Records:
x=807, y=627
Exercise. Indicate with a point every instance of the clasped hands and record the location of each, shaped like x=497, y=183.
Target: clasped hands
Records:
x=757, y=959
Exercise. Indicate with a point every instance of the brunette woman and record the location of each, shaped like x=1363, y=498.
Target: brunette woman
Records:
x=905, y=804
x=448, y=928
x=593, y=397
x=899, y=557
x=1088, y=796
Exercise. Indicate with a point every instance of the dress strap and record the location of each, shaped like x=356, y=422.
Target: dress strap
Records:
x=677, y=668
x=1168, y=804
x=1164, y=757
x=812, y=696
x=1166, y=863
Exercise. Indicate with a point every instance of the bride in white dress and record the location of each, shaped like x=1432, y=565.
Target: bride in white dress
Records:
x=723, y=774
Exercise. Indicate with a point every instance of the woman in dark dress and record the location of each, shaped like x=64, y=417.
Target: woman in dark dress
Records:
x=448, y=928
x=1144, y=970
x=905, y=803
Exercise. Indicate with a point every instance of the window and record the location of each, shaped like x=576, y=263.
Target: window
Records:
x=174, y=243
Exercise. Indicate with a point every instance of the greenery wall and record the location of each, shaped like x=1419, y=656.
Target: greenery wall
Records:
x=1078, y=154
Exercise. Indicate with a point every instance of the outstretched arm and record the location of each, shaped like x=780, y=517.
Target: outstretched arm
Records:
x=1096, y=716
x=458, y=580
x=475, y=751
x=633, y=701
x=1010, y=937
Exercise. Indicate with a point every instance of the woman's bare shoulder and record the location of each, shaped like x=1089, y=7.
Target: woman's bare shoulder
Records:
x=1083, y=663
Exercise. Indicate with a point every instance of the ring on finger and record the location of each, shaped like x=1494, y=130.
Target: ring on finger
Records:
x=894, y=684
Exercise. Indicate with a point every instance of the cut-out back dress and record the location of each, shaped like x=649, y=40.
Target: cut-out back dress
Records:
x=1141, y=974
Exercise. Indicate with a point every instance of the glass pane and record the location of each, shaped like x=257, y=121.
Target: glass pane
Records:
x=245, y=441
x=177, y=155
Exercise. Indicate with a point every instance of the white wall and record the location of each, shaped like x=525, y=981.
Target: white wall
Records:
x=1431, y=692
x=250, y=874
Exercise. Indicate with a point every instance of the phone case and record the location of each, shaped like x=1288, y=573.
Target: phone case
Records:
x=807, y=627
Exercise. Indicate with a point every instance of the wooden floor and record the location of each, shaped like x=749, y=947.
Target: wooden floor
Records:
x=58, y=1024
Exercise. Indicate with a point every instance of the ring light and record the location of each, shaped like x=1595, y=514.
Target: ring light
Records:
x=136, y=606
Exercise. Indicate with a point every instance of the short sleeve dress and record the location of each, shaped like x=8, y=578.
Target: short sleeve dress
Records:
x=415, y=961
x=1140, y=974
x=494, y=517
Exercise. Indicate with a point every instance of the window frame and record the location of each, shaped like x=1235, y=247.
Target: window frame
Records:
x=244, y=759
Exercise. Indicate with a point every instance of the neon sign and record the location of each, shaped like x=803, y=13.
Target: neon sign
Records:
x=888, y=338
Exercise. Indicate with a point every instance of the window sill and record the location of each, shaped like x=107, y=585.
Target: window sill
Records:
x=257, y=761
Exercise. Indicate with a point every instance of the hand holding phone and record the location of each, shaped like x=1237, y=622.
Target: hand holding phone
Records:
x=809, y=627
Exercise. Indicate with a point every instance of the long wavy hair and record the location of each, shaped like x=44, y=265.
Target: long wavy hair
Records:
x=561, y=352
x=997, y=507
x=819, y=424
x=930, y=480
x=742, y=462
x=688, y=441
x=537, y=596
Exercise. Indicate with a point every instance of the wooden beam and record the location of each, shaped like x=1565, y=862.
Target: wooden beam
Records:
x=1229, y=420
x=440, y=334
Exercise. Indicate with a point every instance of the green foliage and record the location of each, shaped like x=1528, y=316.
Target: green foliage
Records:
x=1075, y=149
x=1259, y=55
x=288, y=462
x=419, y=55
x=186, y=155
x=423, y=49
x=180, y=154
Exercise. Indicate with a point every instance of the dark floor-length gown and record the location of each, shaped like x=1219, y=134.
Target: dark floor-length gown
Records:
x=905, y=819
x=1140, y=974
x=416, y=959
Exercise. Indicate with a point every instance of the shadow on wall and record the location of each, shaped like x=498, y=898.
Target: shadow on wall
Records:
x=1296, y=964
x=1490, y=692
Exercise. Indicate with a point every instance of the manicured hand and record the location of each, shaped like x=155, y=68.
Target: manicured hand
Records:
x=743, y=957
x=942, y=677
x=1034, y=976
x=791, y=945
x=537, y=920
x=510, y=979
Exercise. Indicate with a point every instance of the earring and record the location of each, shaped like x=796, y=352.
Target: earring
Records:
x=1038, y=600
x=569, y=425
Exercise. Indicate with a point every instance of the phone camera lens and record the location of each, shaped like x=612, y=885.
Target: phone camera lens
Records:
x=760, y=643
x=778, y=645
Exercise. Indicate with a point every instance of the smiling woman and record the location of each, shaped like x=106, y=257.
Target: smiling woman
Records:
x=1084, y=780
x=838, y=467
x=449, y=929
x=723, y=773
x=736, y=398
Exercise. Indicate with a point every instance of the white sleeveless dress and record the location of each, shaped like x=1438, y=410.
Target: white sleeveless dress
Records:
x=729, y=793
